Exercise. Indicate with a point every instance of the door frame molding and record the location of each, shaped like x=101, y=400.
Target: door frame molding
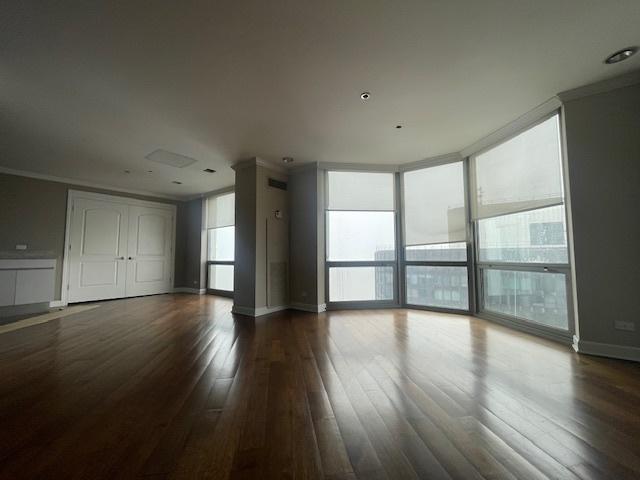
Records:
x=72, y=195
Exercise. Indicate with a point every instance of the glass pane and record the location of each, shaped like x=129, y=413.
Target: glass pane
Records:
x=540, y=297
x=221, y=277
x=443, y=252
x=221, y=244
x=360, y=283
x=445, y=287
x=538, y=236
x=522, y=173
x=360, y=191
x=353, y=236
x=221, y=210
x=434, y=208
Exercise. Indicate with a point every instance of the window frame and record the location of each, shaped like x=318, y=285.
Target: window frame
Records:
x=439, y=263
x=562, y=335
x=213, y=291
x=328, y=264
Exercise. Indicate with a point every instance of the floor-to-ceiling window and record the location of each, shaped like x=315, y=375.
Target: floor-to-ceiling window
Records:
x=361, y=238
x=220, y=243
x=436, y=269
x=520, y=224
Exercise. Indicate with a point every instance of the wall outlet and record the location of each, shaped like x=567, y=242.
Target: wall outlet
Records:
x=626, y=325
x=21, y=247
x=303, y=294
x=195, y=282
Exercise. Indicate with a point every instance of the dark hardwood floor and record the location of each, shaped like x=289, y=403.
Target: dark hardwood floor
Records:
x=174, y=386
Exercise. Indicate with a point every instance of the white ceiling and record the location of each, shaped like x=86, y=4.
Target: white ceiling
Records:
x=90, y=88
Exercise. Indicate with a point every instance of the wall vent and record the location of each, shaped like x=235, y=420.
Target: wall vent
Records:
x=277, y=184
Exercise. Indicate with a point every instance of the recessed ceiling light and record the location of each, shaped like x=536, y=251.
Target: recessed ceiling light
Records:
x=287, y=159
x=365, y=96
x=209, y=170
x=177, y=182
x=621, y=55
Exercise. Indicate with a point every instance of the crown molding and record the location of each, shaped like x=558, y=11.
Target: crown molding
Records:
x=358, y=167
x=621, y=81
x=82, y=183
x=303, y=167
x=512, y=128
x=431, y=162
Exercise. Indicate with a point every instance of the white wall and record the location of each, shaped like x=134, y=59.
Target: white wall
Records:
x=306, y=186
x=603, y=147
x=261, y=240
x=245, y=238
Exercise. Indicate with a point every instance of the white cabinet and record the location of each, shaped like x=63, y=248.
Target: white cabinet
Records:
x=34, y=286
x=7, y=287
x=25, y=281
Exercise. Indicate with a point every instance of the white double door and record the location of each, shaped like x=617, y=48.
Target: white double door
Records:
x=118, y=249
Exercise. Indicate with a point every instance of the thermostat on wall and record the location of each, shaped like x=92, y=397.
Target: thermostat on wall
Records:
x=278, y=214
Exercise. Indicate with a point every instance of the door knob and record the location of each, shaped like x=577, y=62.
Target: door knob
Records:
x=119, y=258
x=130, y=258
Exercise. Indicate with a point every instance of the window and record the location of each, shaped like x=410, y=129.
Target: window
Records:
x=518, y=209
x=220, y=242
x=361, y=237
x=360, y=283
x=433, y=286
x=435, y=232
x=220, y=277
x=539, y=297
x=534, y=236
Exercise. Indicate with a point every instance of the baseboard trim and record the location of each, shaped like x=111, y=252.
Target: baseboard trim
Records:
x=57, y=304
x=309, y=307
x=248, y=311
x=195, y=291
x=609, y=350
x=257, y=312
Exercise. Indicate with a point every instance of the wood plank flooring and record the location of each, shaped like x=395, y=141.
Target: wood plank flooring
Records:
x=174, y=386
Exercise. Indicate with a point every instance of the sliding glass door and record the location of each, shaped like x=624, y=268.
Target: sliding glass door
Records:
x=361, y=265
x=436, y=250
x=521, y=231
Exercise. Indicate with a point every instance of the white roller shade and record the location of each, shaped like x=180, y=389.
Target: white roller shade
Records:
x=520, y=174
x=221, y=210
x=434, y=210
x=360, y=191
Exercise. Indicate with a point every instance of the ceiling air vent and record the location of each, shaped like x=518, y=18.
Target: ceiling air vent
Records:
x=277, y=184
x=169, y=158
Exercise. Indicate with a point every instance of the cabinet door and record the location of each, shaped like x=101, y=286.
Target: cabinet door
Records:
x=34, y=286
x=97, y=257
x=7, y=287
x=149, y=261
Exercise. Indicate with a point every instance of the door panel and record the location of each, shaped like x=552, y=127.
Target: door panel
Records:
x=150, y=250
x=101, y=231
x=97, y=267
